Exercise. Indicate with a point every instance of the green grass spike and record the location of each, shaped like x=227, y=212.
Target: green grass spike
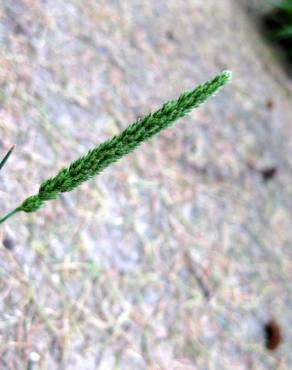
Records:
x=97, y=159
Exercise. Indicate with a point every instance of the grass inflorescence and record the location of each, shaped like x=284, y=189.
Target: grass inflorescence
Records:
x=100, y=157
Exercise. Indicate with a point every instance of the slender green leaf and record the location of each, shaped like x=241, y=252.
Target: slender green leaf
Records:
x=5, y=159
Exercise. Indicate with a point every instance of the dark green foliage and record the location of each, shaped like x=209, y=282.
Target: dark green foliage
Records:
x=112, y=150
x=279, y=25
x=284, y=5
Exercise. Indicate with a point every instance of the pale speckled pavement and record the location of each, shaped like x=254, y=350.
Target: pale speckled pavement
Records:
x=175, y=257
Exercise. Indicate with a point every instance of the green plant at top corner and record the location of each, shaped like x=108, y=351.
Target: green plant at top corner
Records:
x=279, y=24
x=100, y=157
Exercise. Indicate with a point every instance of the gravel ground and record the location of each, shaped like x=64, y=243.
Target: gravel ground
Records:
x=175, y=257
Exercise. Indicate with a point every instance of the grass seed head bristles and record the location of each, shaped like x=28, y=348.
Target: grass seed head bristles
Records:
x=112, y=150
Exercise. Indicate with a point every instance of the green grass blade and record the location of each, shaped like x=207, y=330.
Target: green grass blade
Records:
x=284, y=33
x=5, y=159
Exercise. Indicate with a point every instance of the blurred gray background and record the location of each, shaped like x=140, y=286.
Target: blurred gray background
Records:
x=175, y=257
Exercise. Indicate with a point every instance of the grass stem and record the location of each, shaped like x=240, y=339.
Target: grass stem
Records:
x=8, y=215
